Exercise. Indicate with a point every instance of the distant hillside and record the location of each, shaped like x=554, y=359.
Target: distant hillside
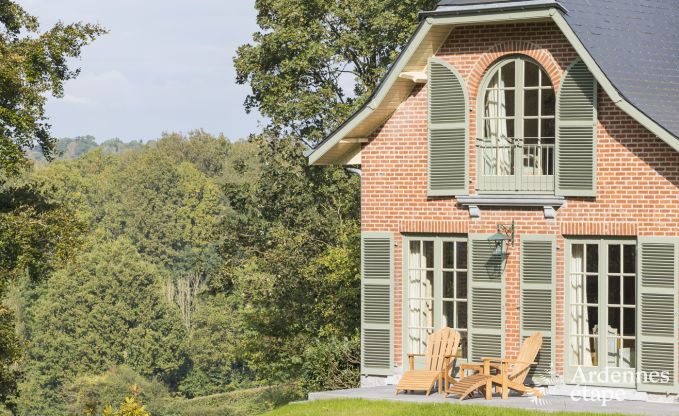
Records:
x=71, y=148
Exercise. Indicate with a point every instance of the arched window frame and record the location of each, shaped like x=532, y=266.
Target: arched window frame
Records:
x=520, y=179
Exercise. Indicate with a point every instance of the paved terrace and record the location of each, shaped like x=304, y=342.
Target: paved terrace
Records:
x=559, y=400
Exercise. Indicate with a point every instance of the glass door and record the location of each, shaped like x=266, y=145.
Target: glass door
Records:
x=601, y=312
x=435, y=290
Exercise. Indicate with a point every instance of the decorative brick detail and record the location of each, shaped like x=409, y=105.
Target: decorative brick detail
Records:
x=432, y=226
x=574, y=228
x=520, y=47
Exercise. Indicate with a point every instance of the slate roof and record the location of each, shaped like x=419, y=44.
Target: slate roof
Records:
x=635, y=43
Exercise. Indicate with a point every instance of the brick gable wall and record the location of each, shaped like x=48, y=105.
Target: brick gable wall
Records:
x=637, y=173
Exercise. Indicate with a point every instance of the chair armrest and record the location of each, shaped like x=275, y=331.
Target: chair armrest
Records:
x=411, y=359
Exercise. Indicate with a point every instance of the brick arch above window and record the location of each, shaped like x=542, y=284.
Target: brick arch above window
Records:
x=541, y=55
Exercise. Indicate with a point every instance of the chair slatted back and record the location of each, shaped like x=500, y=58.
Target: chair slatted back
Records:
x=441, y=343
x=527, y=354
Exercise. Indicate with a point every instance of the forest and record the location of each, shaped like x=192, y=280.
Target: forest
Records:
x=188, y=274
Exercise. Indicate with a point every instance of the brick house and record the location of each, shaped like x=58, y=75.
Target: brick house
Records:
x=555, y=123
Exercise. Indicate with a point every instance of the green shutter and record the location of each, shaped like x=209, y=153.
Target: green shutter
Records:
x=538, y=297
x=448, y=137
x=576, y=117
x=377, y=255
x=657, y=313
x=486, y=299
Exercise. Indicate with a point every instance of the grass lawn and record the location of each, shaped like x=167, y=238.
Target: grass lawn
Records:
x=359, y=407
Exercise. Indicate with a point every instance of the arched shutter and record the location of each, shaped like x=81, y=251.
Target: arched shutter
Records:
x=377, y=340
x=448, y=138
x=485, y=299
x=657, y=314
x=576, y=133
x=538, y=300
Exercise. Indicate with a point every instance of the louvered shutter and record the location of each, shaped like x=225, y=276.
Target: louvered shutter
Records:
x=376, y=303
x=657, y=313
x=448, y=138
x=485, y=299
x=538, y=297
x=576, y=117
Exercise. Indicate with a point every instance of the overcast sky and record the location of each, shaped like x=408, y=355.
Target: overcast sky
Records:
x=166, y=65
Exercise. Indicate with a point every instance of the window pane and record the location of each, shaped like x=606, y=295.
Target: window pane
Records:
x=583, y=351
x=461, y=251
x=429, y=254
x=548, y=128
x=628, y=353
x=530, y=129
x=499, y=103
x=614, y=258
x=414, y=315
x=592, y=289
x=614, y=322
x=427, y=320
x=508, y=75
x=629, y=319
x=509, y=104
x=448, y=254
x=548, y=102
x=629, y=290
x=428, y=285
x=532, y=75
x=415, y=341
x=592, y=258
x=507, y=131
x=461, y=285
x=545, y=81
x=593, y=319
x=414, y=261
x=578, y=257
x=462, y=315
x=463, y=344
x=530, y=102
x=630, y=258
x=415, y=283
x=493, y=81
x=614, y=294
x=448, y=284
x=448, y=314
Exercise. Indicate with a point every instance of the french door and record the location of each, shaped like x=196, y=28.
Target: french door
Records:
x=601, y=302
x=435, y=289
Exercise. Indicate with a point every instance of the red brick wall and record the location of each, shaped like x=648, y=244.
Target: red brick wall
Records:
x=637, y=173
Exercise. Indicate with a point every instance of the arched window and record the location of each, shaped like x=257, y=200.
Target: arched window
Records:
x=517, y=128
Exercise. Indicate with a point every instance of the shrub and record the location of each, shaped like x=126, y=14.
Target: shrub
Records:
x=332, y=363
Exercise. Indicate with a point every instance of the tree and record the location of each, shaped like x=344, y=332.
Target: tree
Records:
x=289, y=279
x=36, y=237
x=33, y=65
x=103, y=310
x=313, y=61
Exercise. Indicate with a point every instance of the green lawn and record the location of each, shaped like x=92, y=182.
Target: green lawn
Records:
x=383, y=408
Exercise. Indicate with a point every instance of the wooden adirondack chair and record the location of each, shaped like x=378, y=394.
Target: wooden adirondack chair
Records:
x=441, y=351
x=510, y=374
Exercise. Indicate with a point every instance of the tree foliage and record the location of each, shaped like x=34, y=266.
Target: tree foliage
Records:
x=103, y=310
x=33, y=65
x=312, y=61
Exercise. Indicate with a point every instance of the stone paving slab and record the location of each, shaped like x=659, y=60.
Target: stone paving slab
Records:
x=548, y=403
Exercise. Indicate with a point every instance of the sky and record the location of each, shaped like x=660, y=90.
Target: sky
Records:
x=164, y=66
